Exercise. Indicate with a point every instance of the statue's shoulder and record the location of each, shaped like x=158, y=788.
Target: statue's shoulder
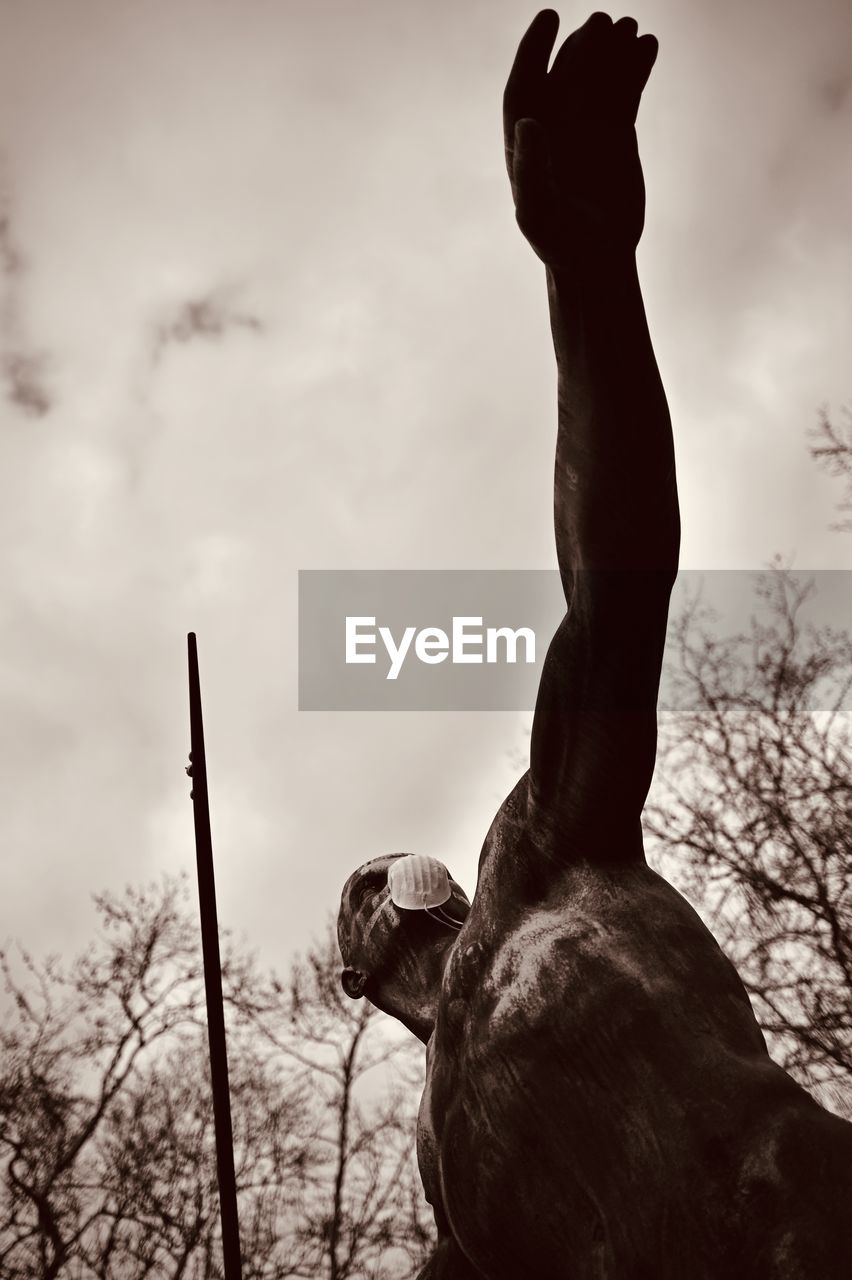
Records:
x=530, y=853
x=518, y=946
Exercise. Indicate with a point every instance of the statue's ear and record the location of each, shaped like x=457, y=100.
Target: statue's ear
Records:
x=353, y=983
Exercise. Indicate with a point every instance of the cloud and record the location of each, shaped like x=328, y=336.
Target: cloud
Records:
x=205, y=318
x=10, y=258
x=834, y=90
x=22, y=367
x=375, y=390
x=23, y=373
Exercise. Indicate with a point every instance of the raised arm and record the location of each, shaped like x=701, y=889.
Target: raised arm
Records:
x=580, y=201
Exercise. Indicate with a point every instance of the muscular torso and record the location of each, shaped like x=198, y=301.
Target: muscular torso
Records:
x=594, y=1048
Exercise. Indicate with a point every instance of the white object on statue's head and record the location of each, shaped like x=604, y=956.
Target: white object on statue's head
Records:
x=418, y=881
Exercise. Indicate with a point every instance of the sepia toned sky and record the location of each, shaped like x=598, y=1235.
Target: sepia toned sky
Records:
x=265, y=308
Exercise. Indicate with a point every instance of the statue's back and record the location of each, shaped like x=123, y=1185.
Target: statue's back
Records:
x=595, y=1051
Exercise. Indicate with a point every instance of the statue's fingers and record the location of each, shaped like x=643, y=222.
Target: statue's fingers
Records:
x=524, y=93
x=642, y=56
x=647, y=49
x=583, y=45
x=625, y=28
x=624, y=63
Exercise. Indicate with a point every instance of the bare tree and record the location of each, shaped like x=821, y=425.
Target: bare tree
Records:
x=831, y=448
x=72, y=1042
x=363, y=1213
x=751, y=815
x=106, y=1140
x=159, y=1166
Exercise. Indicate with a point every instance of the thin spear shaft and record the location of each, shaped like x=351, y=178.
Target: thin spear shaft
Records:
x=213, y=978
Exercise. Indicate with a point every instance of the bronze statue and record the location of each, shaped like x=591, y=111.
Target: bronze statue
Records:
x=599, y=1100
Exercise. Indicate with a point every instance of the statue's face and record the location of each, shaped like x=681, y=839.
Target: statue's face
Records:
x=383, y=941
x=368, y=921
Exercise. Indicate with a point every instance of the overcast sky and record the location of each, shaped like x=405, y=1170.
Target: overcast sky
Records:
x=265, y=308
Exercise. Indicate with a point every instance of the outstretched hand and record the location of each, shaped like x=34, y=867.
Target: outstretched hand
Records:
x=570, y=139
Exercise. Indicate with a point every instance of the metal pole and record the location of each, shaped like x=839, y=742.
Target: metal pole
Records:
x=212, y=977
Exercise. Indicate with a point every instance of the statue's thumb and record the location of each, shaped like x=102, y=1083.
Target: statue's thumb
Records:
x=533, y=181
x=530, y=147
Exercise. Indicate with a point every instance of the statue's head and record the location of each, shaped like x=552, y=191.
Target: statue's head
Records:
x=399, y=916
